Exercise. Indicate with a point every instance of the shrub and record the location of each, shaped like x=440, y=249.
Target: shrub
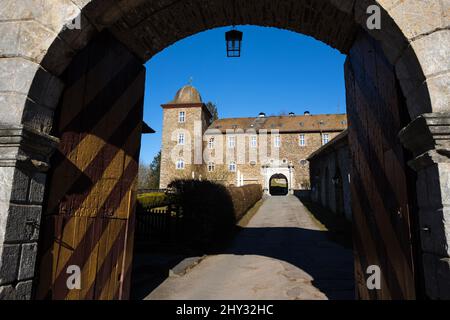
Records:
x=244, y=198
x=210, y=210
x=207, y=212
x=149, y=201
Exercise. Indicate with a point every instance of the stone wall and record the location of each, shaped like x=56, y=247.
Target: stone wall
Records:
x=169, y=148
x=333, y=160
x=23, y=164
x=289, y=151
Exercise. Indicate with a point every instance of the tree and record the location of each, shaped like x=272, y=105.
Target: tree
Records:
x=149, y=174
x=214, y=112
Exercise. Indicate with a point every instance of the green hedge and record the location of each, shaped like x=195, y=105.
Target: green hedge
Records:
x=210, y=210
x=244, y=198
x=149, y=201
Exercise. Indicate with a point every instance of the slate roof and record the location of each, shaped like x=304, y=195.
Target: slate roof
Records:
x=285, y=124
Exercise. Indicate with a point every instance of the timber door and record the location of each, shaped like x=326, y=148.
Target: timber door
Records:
x=383, y=195
x=88, y=220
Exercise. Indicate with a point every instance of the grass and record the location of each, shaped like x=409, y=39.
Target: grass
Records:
x=153, y=200
x=243, y=222
x=340, y=229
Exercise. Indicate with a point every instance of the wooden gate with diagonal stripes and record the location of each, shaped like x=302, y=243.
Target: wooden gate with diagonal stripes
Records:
x=88, y=219
x=382, y=186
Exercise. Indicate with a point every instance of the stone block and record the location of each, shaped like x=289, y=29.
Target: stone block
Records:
x=22, y=291
x=35, y=39
x=432, y=235
x=9, y=263
x=20, y=186
x=10, y=38
x=6, y=182
x=443, y=274
x=59, y=57
x=38, y=117
x=45, y=89
x=23, y=223
x=439, y=91
x=444, y=182
x=37, y=188
x=406, y=15
x=17, y=75
x=419, y=101
x=27, y=261
x=432, y=52
x=11, y=107
x=430, y=275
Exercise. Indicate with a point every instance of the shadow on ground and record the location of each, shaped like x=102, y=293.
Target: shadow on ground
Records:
x=328, y=263
x=340, y=229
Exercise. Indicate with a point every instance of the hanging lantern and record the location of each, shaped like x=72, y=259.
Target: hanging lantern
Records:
x=234, y=40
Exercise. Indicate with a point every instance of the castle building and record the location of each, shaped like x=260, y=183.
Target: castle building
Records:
x=238, y=151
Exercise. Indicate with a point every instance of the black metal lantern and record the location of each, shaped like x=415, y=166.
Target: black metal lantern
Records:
x=234, y=40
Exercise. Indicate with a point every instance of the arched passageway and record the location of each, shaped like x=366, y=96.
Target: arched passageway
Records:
x=401, y=67
x=279, y=185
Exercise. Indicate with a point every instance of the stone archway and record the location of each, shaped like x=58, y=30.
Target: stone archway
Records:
x=414, y=37
x=278, y=185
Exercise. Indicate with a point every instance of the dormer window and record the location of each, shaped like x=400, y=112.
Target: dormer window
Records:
x=182, y=117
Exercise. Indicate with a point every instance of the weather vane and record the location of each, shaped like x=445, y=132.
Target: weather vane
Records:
x=191, y=79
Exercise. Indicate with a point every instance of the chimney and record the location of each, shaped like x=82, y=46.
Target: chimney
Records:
x=291, y=114
x=262, y=115
x=307, y=113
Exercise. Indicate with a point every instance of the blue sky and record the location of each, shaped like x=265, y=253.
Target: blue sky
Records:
x=279, y=71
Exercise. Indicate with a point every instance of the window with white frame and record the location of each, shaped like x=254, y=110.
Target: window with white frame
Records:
x=253, y=141
x=232, y=166
x=211, y=166
x=302, y=140
x=181, y=139
x=277, y=141
x=180, y=164
x=182, y=117
x=231, y=142
x=211, y=143
x=325, y=138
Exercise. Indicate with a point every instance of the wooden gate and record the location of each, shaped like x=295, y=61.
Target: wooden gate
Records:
x=88, y=219
x=383, y=192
